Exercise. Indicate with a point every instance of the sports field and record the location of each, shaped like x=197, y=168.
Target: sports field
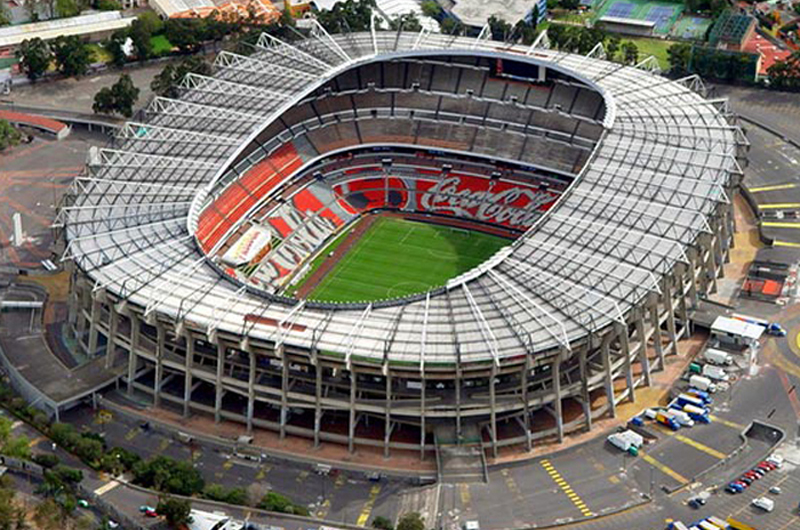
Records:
x=663, y=13
x=396, y=257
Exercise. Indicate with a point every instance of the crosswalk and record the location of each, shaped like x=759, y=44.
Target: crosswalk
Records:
x=566, y=488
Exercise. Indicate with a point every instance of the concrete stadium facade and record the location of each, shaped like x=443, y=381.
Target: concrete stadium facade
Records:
x=585, y=304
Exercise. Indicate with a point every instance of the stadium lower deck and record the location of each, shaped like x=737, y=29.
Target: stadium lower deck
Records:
x=185, y=234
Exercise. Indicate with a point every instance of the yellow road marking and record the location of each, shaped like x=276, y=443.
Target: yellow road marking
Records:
x=262, y=472
x=566, y=488
x=324, y=509
x=776, y=224
x=779, y=205
x=727, y=423
x=341, y=478
x=36, y=441
x=163, y=445
x=664, y=469
x=227, y=465
x=105, y=488
x=777, y=243
x=466, y=497
x=773, y=188
x=131, y=434
x=364, y=516
x=700, y=447
x=613, y=479
x=301, y=476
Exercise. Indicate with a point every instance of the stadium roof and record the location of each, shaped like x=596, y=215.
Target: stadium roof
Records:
x=645, y=196
x=107, y=21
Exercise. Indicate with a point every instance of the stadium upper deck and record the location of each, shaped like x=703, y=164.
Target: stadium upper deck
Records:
x=565, y=310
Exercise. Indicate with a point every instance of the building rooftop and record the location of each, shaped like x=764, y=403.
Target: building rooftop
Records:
x=477, y=12
x=50, y=29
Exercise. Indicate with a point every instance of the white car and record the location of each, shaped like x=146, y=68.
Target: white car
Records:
x=764, y=503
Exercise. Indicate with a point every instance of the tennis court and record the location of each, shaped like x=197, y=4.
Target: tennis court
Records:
x=662, y=14
x=691, y=27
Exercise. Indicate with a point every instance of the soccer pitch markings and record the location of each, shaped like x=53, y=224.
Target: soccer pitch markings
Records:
x=396, y=257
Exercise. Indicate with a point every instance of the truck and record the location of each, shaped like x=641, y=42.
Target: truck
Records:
x=719, y=357
x=683, y=418
x=686, y=399
x=627, y=441
x=665, y=419
x=697, y=414
x=715, y=372
x=703, y=383
x=700, y=394
x=771, y=328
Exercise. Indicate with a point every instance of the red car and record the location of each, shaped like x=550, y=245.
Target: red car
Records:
x=150, y=513
x=752, y=474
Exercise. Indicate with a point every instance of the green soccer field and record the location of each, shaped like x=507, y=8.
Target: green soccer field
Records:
x=396, y=258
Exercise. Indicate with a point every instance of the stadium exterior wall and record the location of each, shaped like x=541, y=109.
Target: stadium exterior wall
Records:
x=172, y=352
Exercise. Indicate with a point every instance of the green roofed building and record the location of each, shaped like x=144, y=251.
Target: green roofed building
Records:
x=731, y=31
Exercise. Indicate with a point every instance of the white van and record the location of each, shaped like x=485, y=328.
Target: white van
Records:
x=715, y=372
x=718, y=357
x=764, y=503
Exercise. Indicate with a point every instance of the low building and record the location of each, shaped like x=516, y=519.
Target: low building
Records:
x=769, y=53
x=95, y=27
x=731, y=31
x=627, y=26
x=388, y=9
x=734, y=332
x=203, y=8
x=475, y=13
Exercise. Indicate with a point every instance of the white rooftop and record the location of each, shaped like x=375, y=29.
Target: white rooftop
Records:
x=477, y=12
x=50, y=29
x=736, y=327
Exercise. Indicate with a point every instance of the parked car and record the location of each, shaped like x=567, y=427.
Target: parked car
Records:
x=764, y=503
x=733, y=487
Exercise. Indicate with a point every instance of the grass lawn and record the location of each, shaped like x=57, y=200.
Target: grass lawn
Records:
x=655, y=47
x=161, y=44
x=396, y=258
x=99, y=54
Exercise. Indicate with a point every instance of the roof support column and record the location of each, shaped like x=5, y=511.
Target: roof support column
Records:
x=91, y=347
x=526, y=404
x=351, y=433
x=160, y=333
x=655, y=322
x=188, y=366
x=317, y=403
x=133, y=358
x=387, y=420
x=587, y=402
x=605, y=352
x=555, y=369
x=683, y=310
x=691, y=254
x=458, y=403
x=218, y=383
x=622, y=334
x=493, y=408
x=111, y=342
x=643, y=360
x=422, y=418
x=251, y=390
x=668, y=292
x=284, y=390
x=711, y=263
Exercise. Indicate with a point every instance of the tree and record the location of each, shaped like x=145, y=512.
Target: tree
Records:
x=18, y=447
x=168, y=475
x=165, y=83
x=108, y=5
x=48, y=515
x=612, y=47
x=5, y=16
x=119, y=98
x=569, y=4
x=71, y=55
x=451, y=26
x=679, y=55
x=431, y=8
x=185, y=33
x=382, y=523
x=115, y=45
x=151, y=22
x=217, y=492
x=275, y=502
x=67, y=8
x=348, y=16
x=411, y=521
x=499, y=28
x=35, y=57
x=407, y=22
x=140, y=35
x=630, y=53
x=176, y=512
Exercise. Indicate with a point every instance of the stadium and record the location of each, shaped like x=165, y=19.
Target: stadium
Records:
x=397, y=240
